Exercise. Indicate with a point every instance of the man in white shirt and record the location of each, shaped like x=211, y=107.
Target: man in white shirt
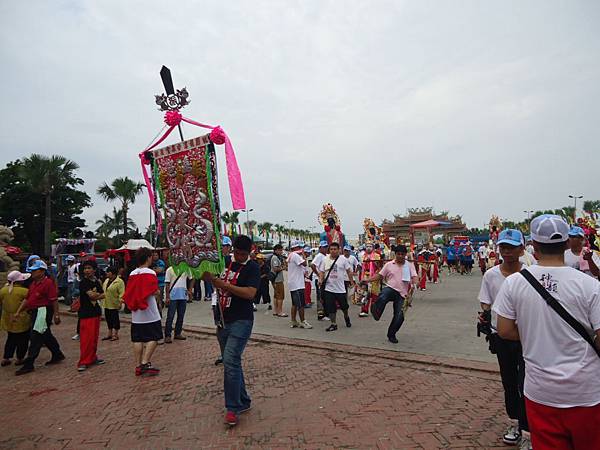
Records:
x=353, y=266
x=178, y=289
x=331, y=269
x=323, y=249
x=296, y=264
x=580, y=258
x=509, y=353
x=562, y=392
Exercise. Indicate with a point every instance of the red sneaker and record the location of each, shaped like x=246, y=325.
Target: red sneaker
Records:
x=231, y=419
x=138, y=371
x=149, y=371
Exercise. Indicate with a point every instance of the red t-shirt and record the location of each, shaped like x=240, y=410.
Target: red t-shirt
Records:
x=41, y=293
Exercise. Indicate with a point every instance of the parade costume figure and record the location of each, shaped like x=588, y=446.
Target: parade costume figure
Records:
x=331, y=223
x=371, y=264
x=423, y=270
x=434, y=267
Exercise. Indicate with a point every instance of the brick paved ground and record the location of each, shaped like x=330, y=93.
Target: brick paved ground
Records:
x=303, y=397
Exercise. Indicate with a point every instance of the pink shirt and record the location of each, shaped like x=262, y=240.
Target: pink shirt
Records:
x=392, y=275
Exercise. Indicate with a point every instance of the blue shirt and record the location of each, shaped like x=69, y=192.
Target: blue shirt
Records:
x=161, y=276
x=450, y=253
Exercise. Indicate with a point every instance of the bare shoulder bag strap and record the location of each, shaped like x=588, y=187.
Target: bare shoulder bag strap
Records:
x=560, y=310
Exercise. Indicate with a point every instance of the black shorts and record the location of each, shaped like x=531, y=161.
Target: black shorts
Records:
x=298, y=298
x=146, y=332
x=332, y=300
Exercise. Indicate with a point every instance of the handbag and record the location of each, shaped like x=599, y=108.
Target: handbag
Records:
x=322, y=287
x=559, y=309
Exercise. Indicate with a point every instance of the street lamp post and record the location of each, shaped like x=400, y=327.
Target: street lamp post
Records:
x=575, y=197
x=529, y=213
x=289, y=227
x=247, y=211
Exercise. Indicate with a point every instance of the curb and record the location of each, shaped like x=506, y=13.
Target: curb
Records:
x=441, y=362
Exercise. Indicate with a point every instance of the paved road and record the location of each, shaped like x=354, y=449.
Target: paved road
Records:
x=441, y=323
x=303, y=398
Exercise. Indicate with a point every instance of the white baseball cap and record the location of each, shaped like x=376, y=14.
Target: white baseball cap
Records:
x=549, y=229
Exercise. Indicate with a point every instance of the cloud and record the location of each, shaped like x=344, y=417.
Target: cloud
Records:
x=373, y=106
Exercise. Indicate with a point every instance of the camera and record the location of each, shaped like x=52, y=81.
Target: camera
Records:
x=484, y=325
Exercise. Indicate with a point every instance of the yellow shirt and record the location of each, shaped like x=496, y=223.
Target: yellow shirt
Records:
x=10, y=303
x=113, y=294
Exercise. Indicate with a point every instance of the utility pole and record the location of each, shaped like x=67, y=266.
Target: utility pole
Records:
x=575, y=197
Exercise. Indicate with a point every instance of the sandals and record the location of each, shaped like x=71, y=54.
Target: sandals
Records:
x=283, y=315
x=331, y=327
x=106, y=338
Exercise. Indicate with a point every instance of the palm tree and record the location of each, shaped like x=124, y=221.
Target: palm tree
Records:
x=108, y=225
x=43, y=174
x=125, y=190
x=265, y=228
x=280, y=230
x=231, y=218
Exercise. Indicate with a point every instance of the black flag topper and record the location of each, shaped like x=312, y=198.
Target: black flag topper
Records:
x=172, y=100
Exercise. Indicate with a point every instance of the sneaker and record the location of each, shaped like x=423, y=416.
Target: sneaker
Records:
x=525, y=443
x=231, y=419
x=23, y=370
x=331, y=327
x=294, y=324
x=168, y=340
x=363, y=314
x=246, y=409
x=82, y=368
x=393, y=339
x=149, y=371
x=304, y=324
x=326, y=319
x=138, y=371
x=75, y=338
x=348, y=324
x=512, y=435
x=56, y=360
x=180, y=337
x=99, y=362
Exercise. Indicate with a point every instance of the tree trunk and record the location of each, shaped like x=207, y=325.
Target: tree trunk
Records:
x=47, y=225
x=125, y=222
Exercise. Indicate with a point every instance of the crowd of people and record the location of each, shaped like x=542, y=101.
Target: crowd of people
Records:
x=540, y=300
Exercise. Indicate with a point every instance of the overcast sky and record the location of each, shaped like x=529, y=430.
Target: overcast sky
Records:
x=375, y=106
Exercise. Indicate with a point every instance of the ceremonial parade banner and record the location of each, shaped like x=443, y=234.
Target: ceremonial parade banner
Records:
x=185, y=176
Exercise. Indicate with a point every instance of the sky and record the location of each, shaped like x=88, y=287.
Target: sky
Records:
x=473, y=107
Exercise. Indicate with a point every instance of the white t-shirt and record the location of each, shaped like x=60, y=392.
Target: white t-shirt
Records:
x=490, y=286
x=335, y=282
x=317, y=259
x=353, y=265
x=482, y=252
x=295, y=271
x=179, y=291
x=573, y=260
x=561, y=368
x=150, y=314
x=71, y=275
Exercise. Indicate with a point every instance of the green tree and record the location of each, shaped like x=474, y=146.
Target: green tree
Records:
x=39, y=196
x=280, y=230
x=591, y=205
x=231, y=219
x=125, y=190
x=265, y=228
x=109, y=225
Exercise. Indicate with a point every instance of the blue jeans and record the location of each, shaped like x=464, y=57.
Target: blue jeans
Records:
x=232, y=339
x=208, y=289
x=179, y=306
x=391, y=295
